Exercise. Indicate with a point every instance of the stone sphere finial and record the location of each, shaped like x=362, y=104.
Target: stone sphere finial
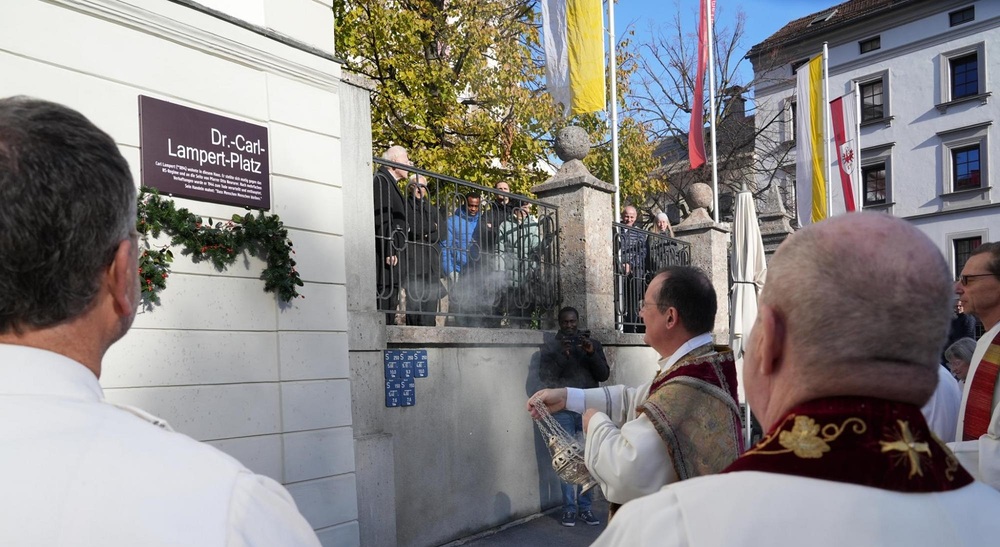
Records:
x=700, y=196
x=572, y=143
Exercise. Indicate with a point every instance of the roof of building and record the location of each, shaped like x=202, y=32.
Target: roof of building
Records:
x=829, y=18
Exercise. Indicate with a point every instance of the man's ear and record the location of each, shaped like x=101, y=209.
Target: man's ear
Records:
x=123, y=279
x=770, y=340
x=671, y=318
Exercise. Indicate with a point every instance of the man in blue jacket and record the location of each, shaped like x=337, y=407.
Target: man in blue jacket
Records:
x=455, y=257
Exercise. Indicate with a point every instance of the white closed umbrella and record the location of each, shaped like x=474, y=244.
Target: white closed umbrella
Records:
x=748, y=269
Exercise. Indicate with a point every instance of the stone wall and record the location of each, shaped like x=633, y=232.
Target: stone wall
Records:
x=466, y=457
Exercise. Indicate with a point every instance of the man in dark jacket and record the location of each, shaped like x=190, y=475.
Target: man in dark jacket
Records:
x=390, y=231
x=573, y=359
x=423, y=257
x=631, y=267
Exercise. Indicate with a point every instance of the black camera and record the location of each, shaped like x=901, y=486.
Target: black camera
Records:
x=574, y=339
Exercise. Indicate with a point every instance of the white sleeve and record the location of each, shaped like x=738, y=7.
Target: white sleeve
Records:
x=616, y=402
x=262, y=514
x=629, y=462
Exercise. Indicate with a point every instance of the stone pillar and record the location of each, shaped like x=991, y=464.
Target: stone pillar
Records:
x=585, y=244
x=366, y=331
x=709, y=252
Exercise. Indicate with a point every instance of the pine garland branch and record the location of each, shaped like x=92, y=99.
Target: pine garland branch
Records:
x=262, y=235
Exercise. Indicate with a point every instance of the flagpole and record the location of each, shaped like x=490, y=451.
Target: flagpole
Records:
x=859, y=198
x=614, y=108
x=826, y=132
x=711, y=108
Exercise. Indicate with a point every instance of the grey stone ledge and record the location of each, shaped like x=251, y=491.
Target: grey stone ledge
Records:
x=562, y=184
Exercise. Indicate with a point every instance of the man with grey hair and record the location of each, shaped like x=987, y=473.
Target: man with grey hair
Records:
x=843, y=353
x=390, y=230
x=75, y=469
x=977, y=440
x=631, y=264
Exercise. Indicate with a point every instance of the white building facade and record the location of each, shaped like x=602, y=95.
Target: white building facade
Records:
x=220, y=359
x=928, y=117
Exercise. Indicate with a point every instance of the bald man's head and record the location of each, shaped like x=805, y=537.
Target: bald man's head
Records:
x=864, y=298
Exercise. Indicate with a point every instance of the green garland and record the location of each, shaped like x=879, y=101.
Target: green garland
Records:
x=221, y=243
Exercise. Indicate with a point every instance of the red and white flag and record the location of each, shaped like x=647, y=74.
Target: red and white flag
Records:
x=696, y=129
x=847, y=139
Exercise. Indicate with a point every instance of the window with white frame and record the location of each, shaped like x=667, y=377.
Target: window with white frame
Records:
x=873, y=184
x=962, y=246
x=964, y=158
x=965, y=170
x=788, y=119
x=961, y=74
x=876, y=177
x=873, y=92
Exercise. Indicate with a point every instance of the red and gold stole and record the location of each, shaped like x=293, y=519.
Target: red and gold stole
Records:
x=979, y=406
x=693, y=407
x=859, y=440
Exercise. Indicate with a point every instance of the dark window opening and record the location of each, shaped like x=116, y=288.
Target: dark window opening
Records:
x=963, y=250
x=872, y=107
x=964, y=76
x=874, y=184
x=965, y=170
x=962, y=16
x=870, y=44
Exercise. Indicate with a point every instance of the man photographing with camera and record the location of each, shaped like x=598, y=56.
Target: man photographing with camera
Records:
x=572, y=359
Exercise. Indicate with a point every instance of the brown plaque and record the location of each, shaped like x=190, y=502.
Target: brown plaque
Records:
x=198, y=155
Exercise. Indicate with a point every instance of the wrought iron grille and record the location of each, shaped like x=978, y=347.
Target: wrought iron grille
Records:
x=495, y=268
x=639, y=254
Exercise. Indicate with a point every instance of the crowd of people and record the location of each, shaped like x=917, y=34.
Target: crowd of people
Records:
x=478, y=264
x=843, y=367
x=639, y=255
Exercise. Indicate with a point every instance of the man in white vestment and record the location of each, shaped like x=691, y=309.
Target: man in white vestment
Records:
x=843, y=354
x=977, y=439
x=75, y=469
x=682, y=424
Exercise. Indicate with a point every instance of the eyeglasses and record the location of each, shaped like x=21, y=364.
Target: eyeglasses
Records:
x=643, y=304
x=964, y=279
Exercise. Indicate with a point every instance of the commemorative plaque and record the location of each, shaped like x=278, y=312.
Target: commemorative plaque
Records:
x=198, y=155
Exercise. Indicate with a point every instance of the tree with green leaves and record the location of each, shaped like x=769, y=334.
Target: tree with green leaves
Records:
x=460, y=84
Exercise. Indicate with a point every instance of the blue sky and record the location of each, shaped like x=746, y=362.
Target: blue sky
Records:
x=764, y=17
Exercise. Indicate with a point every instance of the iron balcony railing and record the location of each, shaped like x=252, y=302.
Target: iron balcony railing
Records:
x=491, y=262
x=639, y=254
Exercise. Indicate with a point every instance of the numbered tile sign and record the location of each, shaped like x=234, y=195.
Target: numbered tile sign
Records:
x=401, y=367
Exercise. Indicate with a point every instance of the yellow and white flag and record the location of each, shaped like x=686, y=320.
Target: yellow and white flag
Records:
x=573, y=34
x=810, y=143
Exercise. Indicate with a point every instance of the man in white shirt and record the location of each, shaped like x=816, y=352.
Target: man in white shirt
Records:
x=977, y=439
x=844, y=352
x=77, y=470
x=684, y=423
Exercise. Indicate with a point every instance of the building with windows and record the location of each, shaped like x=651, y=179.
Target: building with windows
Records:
x=927, y=111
